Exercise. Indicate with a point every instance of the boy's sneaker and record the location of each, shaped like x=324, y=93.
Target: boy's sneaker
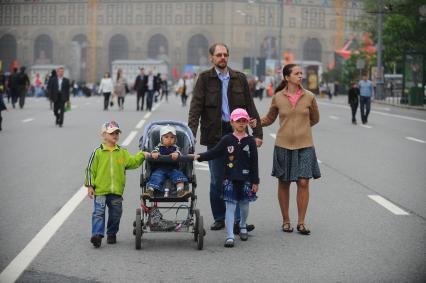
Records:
x=148, y=194
x=111, y=239
x=96, y=241
x=183, y=193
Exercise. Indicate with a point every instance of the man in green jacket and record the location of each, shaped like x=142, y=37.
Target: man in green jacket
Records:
x=105, y=180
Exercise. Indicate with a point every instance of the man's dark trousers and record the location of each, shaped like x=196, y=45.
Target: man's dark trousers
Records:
x=58, y=110
x=140, y=96
x=149, y=99
x=365, y=103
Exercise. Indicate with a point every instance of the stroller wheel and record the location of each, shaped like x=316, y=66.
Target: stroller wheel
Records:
x=138, y=228
x=197, y=218
x=200, y=240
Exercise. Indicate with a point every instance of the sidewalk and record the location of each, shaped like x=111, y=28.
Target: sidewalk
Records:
x=343, y=99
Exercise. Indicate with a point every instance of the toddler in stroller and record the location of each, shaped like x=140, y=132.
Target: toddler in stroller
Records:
x=168, y=177
x=162, y=170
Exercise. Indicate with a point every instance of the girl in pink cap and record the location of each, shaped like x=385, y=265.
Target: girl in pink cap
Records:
x=241, y=179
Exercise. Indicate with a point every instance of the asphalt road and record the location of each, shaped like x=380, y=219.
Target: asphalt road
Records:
x=354, y=238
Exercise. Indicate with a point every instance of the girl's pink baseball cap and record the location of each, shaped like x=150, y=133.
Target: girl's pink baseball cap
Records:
x=239, y=113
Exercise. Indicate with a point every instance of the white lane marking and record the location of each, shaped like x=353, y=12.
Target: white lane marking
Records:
x=399, y=116
x=140, y=124
x=388, y=205
x=147, y=115
x=87, y=103
x=129, y=138
x=416, y=140
x=333, y=117
x=74, y=106
x=382, y=108
x=377, y=112
x=201, y=164
x=366, y=126
x=15, y=268
x=156, y=106
x=27, y=120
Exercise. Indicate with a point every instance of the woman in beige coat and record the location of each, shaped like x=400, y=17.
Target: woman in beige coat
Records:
x=294, y=157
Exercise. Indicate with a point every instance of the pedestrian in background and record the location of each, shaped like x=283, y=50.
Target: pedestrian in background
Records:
x=13, y=86
x=294, y=157
x=120, y=89
x=157, y=87
x=353, y=95
x=106, y=87
x=366, y=92
x=150, y=90
x=59, y=91
x=140, y=86
x=183, y=85
x=217, y=92
x=164, y=89
x=23, y=84
x=105, y=181
x=2, y=92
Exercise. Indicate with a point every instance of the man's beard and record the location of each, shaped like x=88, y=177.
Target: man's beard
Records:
x=222, y=65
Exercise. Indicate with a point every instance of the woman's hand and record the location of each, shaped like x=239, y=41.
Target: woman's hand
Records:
x=255, y=188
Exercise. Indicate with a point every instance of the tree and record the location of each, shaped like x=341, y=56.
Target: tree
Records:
x=403, y=29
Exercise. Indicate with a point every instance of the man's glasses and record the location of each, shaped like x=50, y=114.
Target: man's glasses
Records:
x=218, y=55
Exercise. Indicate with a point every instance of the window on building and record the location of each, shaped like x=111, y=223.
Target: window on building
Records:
x=169, y=17
x=139, y=19
x=52, y=15
x=262, y=15
x=16, y=14
x=34, y=15
x=292, y=23
x=313, y=18
x=209, y=14
x=129, y=14
x=188, y=14
x=321, y=18
x=178, y=19
x=71, y=14
x=305, y=17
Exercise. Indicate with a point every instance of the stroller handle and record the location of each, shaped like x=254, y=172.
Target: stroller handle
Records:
x=168, y=159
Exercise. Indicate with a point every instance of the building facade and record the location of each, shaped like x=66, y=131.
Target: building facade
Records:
x=87, y=35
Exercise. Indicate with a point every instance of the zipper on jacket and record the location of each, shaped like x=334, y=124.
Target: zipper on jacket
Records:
x=112, y=171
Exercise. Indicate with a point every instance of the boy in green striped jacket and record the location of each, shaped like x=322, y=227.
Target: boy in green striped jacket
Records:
x=105, y=180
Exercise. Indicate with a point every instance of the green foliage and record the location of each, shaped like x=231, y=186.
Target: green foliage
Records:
x=350, y=72
x=403, y=29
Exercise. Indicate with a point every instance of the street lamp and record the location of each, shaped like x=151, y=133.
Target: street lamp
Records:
x=254, y=57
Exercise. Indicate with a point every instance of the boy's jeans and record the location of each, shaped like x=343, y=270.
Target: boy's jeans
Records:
x=114, y=203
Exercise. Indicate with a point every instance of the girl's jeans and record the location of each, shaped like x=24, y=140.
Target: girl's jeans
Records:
x=114, y=204
x=230, y=216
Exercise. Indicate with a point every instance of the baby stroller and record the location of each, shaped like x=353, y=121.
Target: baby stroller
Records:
x=149, y=217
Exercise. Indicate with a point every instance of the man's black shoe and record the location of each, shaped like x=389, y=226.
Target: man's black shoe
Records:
x=250, y=227
x=96, y=241
x=111, y=239
x=217, y=225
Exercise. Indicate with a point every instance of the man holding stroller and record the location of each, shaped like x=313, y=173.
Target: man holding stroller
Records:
x=211, y=107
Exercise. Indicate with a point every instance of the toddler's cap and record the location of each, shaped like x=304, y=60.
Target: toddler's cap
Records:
x=167, y=129
x=239, y=113
x=110, y=127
